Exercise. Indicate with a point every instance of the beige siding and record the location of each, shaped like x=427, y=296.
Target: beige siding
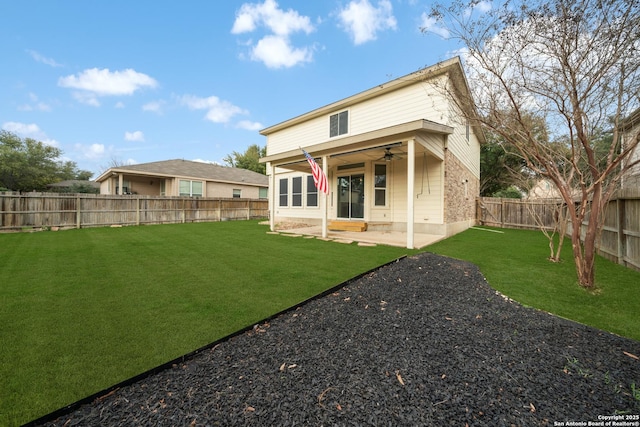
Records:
x=467, y=151
x=419, y=101
x=302, y=212
x=428, y=207
x=217, y=189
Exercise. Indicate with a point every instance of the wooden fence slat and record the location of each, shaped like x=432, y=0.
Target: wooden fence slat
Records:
x=618, y=242
x=37, y=210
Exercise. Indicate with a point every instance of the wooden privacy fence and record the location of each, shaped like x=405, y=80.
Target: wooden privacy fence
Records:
x=620, y=237
x=37, y=210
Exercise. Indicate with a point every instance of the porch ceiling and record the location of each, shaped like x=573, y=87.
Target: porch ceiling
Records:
x=369, y=146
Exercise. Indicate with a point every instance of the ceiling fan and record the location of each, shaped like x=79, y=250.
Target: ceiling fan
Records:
x=388, y=155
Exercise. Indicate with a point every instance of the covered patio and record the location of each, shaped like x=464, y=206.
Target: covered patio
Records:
x=364, y=238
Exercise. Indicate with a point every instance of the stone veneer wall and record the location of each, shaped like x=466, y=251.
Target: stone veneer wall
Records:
x=460, y=205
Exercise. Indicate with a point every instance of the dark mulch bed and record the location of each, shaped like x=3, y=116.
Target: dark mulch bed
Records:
x=423, y=341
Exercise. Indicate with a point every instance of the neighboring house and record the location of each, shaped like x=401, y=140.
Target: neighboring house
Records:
x=184, y=178
x=630, y=128
x=75, y=186
x=543, y=189
x=399, y=157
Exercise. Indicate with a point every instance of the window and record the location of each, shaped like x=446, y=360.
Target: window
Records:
x=163, y=187
x=237, y=193
x=380, y=185
x=339, y=124
x=126, y=187
x=312, y=192
x=296, y=191
x=284, y=191
x=190, y=188
x=263, y=193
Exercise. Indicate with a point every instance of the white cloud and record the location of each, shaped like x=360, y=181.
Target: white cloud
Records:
x=277, y=52
x=154, y=106
x=35, y=104
x=134, y=136
x=480, y=7
x=275, y=49
x=252, y=15
x=92, y=152
x=31, y=130
x=211, y=162
x=430, y=24
x=119, y=104
x=249, y=125
x=87, y=98
x=107, y=83
x=40, y=58
x=363, y=21
x=218, y=111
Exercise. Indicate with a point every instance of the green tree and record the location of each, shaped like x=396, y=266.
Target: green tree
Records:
x=575, y=64
x=29, y=165
x=249, y=159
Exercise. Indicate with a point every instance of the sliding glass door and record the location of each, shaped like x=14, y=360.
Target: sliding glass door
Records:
x=351, y=196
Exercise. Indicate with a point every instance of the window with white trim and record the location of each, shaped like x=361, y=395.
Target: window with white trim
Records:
x=296, y=191
x=190, y=188
x=237, y=193
x=338, y=124
x=380, y=184
x=263, y=193
x=284, y=192
x=312, y=192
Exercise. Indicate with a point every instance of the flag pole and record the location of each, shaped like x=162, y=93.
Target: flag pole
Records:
x=324, y=198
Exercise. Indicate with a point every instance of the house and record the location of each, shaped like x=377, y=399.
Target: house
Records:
x=630, y=128
x=402, y=156
x=183, y=178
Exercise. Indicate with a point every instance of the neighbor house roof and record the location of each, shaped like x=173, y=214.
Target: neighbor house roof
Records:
x=188, y=169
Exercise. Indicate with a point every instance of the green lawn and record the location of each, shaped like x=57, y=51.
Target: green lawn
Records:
x=515, y=263
x=82, y=310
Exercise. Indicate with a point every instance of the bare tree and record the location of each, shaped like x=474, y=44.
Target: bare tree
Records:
x=574, y=63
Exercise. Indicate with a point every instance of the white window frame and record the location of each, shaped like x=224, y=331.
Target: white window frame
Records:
x=191, y=189
x=296, y=193
x=311, y=190
x=385, y=188
x=285, y=194
x=347, y=127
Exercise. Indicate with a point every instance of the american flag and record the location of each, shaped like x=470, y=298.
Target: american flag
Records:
x=319, y=178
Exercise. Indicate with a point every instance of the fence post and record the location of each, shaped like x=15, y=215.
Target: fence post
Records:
x=78, y=213
x=138, y=210
x=621, y=237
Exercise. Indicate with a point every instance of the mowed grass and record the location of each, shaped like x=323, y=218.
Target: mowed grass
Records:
x=82, y=310
x=515, y=263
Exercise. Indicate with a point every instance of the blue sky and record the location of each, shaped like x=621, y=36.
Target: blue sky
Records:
x=141, y=81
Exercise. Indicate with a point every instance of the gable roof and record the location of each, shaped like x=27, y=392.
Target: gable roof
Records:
x=188, y=169
x=451, y=66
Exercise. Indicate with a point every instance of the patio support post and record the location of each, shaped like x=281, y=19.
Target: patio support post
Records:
x=324, y=202
x=272, y=197
x=411, y=172
x=120, y=183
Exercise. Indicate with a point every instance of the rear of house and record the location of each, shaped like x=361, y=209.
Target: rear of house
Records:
x=401, y=156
